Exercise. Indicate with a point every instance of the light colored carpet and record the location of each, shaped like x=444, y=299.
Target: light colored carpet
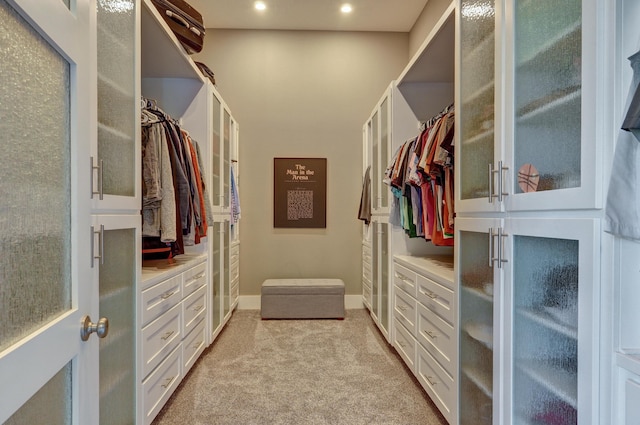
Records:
x=280, y=372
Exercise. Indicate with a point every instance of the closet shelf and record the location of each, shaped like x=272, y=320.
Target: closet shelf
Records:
x=562, y=383
x=553, y=107
x=543, y=318
x=102, y=79
x=163, y=56
x=436, y=49
x=480, y=378
x=478, y=293
x=478, y=95
x=552, y=45
x=478, y=138
x=113, y=132
x=479, y=51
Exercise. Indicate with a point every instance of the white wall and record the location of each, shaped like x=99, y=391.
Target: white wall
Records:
x=301, y=94
x=432, y=11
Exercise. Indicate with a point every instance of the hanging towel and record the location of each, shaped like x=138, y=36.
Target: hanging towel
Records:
x=364, y=213
x=235, y=200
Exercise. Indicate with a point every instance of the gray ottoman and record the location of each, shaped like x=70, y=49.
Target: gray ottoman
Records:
x=302, y=299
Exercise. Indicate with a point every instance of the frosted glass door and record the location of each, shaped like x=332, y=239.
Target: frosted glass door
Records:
x=479, y=320
x=476, y=106
x=216, y=150
x=117, y=276
x=226, y=278
x=118, y=104
x=376, y=172
x=216, y=278
x=385, y=141
x=45, y=274
x=554, y=323
x=226, y=161
x=375, y=269
x=554, y=164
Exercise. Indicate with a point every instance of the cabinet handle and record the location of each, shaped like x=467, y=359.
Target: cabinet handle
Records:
x=200, y=307
x=167, y=335
x=500, y=249
x=431, y=334
x=100, y=169
x=402, y=308
x=431, y=380
x=499, y=171
x=100, y=255
x=195, y=346
x=198, y=276
x=167, y=295
x=168, y=382
x=402, y=344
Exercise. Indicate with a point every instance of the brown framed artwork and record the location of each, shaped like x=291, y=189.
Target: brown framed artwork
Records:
x=300, y=192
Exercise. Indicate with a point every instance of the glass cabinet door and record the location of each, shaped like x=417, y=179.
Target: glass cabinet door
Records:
x=553, y=130
x=226, y=293
x=375, y=271
x=216, y=279
x=554, y=324
x=117, y=269
x=479, y=321
x=216, y=150
x=116, y=159
x=385, y=143
x=476, y=105
x=226, y=162
x=376, y=176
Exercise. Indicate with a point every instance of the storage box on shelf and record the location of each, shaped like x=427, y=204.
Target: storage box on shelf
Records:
x=174, y=309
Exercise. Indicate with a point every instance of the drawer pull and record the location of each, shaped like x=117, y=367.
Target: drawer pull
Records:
x=196, y=346
x=167, y=335
x=429, y=294
x=402, y=344
x=431, y=334
x=402, y=308
x=431, y=380
x=404, y=279
x=168, y=382
x=200, y=307
x=198, y=276
x=167, y=295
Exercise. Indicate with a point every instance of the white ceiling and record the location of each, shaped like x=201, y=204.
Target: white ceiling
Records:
x=367, y=15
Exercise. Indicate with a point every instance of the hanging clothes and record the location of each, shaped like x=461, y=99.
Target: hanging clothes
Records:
x=420, y=176
x=235, y=199
x=364, y=212
x=622, y=211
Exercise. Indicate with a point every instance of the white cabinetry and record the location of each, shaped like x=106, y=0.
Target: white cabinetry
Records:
x=424, y=317
x=528, y=272
x=174, y=307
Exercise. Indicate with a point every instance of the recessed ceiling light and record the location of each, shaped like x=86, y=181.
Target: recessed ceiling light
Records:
x=346, y=8
x=260, y=5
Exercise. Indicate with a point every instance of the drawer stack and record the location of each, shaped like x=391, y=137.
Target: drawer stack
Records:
x=234, y=273
x=173, y=329
x=366, y=274
x=424, y=332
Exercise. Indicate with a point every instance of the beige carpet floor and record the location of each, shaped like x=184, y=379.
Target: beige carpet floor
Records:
x=316, y=372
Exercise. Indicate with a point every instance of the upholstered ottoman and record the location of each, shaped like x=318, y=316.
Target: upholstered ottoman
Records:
x=302, y=299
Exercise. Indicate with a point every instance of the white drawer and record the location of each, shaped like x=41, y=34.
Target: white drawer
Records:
x=161, y=298
x=404, y=308
x=437, y=337
x=405, y=279
x=436, y=382
x=193, y=346
x=405, y=345
x=194, y=278
x=159, y=338
x=234, y=250
x=437, y=297
x=234, y=292
x=366, y=271
x=194, y=309
x=159, y=386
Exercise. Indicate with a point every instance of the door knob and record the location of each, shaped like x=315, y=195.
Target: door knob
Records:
x=101, y=328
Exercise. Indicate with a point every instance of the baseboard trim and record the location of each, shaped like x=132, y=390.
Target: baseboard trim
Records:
x=252, y=302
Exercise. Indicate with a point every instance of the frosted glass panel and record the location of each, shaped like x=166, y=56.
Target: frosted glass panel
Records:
x=376, y=178
x=226, y=186
x=548, y=79
x=117, y=106
x=545, y=333
x=215, y=153
x=476, y=330
x=35, y=192
x=53, y=402
x=384, y=148
x=225, y=262
x=375, y=279
x=215, y=281
x=477, y=26
x=117, y=350
x=384, y=275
